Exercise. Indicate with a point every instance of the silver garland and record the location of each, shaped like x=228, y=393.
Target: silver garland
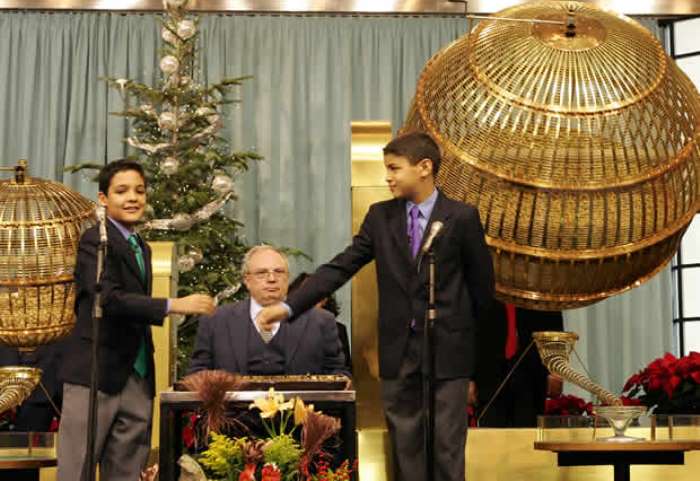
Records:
x=199, y=216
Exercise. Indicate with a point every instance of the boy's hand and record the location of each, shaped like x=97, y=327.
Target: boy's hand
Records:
x=193, y=304
x=271, y=314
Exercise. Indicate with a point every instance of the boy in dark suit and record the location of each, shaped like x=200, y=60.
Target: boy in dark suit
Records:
x=125, y=346
x=392, y=234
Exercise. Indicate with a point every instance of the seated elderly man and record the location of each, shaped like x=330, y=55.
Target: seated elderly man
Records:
x=231, y=340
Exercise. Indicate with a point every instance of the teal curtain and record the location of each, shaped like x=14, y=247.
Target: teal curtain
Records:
x=313, y=75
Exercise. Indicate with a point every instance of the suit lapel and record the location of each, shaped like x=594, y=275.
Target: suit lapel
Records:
x=399, y=232
x=238, y=331
x=440, y=213
x=149, y=267
x=294, y=332
x=121, y=246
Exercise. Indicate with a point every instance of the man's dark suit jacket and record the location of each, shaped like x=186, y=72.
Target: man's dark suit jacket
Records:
x=465, y=282
x=128, y=313
x=523, y=398
x=311, y=343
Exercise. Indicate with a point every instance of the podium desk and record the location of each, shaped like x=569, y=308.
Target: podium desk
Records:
x=173, y=404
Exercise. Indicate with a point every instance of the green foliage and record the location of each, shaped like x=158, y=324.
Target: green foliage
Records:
x=224, y=457
x=286, y=453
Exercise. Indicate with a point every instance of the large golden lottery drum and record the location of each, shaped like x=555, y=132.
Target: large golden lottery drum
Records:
x=40, y=226
x=576, y=140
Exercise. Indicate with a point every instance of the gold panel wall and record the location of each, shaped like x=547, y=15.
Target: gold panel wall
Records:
x=164, y=285
x=368, y=187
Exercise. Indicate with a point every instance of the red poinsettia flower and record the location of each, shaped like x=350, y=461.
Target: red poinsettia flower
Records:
x=634, y=379
x=628, y=401
x=568, y=405
x=659, y=385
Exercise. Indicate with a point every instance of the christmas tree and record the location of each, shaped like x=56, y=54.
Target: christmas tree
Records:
x=189, y=167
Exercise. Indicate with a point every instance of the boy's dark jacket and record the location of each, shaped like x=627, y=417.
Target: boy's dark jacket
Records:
x=465, y=282
x=128, y=313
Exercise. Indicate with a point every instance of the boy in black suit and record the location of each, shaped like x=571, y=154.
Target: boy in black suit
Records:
x=125, y=355
x=392, y=234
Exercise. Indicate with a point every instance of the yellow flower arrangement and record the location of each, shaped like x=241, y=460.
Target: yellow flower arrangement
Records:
x=271, y=404
x=301, y=411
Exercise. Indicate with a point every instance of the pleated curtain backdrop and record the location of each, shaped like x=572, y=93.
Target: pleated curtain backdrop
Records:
x=313, y=75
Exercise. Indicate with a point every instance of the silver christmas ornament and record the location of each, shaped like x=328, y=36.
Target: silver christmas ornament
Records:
x=222, y=184
x=186, y=29
x=185, y=263
x=169, y=165
x=169, y=64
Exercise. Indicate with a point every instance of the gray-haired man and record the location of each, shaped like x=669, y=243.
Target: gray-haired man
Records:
x=231, y=340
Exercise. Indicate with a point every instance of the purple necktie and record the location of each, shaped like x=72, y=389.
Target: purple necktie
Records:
x=415, y=236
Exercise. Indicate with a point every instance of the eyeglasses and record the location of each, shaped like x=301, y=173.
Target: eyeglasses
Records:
x=262, y=274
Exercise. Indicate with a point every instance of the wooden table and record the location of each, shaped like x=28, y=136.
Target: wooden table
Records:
x=620, y=455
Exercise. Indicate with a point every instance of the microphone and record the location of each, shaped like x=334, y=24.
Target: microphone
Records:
x=102, y=220
x=435, y=229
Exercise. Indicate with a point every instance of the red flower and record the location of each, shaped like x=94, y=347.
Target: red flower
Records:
x=632, y=381
x=53, y=427
x=629, y=401
x=659, y=385
x=567, y=405
x=189, y=435
x=671, y=386
x=248, y=473
x=270, y=472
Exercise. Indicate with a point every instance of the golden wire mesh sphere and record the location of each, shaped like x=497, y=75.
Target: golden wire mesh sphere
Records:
x=40, y=226
x=577, y=144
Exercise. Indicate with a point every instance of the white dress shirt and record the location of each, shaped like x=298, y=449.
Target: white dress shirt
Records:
x=255, y=309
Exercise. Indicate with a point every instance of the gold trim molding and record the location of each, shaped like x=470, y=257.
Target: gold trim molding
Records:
x=411, y=7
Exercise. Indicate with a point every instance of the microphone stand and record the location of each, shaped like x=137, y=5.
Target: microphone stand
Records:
x=429, y=371
x=90, y=462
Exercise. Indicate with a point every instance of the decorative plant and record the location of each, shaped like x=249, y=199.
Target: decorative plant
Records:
x=567, y=405
x=668, y=385
x=279, y=456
